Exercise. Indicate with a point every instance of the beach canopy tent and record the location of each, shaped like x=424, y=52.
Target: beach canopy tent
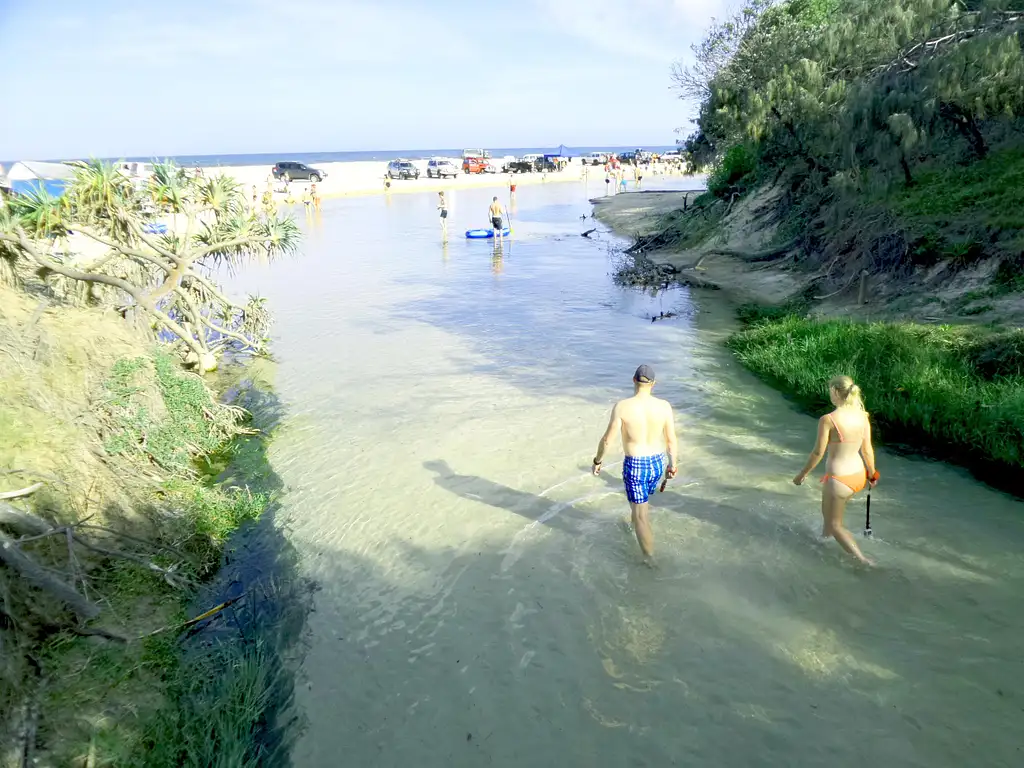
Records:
x=28, y=176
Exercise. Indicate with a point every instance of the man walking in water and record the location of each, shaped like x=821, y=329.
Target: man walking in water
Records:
x=647, y=429
x=496, y=212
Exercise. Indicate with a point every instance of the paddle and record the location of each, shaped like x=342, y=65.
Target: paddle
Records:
x=868, y=533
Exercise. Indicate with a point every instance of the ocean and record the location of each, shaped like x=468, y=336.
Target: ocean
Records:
x=269, y=158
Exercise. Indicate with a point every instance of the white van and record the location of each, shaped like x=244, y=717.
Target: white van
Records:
x=595, y=158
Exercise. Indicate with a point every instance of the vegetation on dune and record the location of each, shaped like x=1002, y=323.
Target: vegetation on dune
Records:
x=96, y=244
x=895, y=127
x=125, y=539
x=956, y=391
x=111, y=521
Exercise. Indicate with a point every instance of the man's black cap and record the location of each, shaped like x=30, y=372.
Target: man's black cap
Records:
x=644, y=374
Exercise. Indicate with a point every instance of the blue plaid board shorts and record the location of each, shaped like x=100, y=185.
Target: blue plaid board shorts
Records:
x=640, y=475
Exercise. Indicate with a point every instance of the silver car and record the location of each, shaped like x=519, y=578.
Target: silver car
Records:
x=441, y=167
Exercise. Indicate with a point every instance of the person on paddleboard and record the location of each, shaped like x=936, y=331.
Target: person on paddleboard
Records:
x=846, y=434
x=647, y=428
x=496, y=212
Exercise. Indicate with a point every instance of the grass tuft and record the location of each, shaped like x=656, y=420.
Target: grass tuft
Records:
x=955, y=391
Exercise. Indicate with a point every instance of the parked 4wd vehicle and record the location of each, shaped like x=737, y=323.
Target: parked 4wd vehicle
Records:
x=441, y=167
x=297, y=171
x=474, y=165
x=520, y=166
x=402, y=169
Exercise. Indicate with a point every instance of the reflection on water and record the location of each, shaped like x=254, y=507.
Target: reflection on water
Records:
x=481, y=602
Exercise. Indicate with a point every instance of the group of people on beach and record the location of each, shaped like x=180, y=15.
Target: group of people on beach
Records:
x=311, y=199
x=646, y=427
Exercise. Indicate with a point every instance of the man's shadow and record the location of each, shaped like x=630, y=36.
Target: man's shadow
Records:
x=677, y=501
x=526, y=505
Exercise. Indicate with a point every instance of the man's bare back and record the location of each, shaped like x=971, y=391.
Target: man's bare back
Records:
x=647, y=429
x=645, y=424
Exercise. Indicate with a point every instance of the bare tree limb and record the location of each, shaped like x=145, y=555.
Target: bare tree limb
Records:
x=22, y=523
x=20, y=563
x=28, y=491
x=125, y=250
x=74, y=274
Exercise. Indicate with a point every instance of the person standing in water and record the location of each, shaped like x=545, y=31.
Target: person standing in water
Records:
x=496, y=224
x=647, y=428
x=846, y=434
x=442, y=209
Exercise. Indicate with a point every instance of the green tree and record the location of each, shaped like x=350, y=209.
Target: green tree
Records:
x=93, y=244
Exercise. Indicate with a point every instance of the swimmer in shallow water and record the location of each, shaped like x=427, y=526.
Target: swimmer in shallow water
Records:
x=647, y=429
x=846, y=434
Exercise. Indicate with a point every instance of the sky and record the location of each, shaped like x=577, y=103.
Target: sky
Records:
x=113, y=78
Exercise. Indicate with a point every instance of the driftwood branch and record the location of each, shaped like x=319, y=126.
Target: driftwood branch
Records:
x=22, y=523
x=767, y=254
x=21, y=492
x=22, y=564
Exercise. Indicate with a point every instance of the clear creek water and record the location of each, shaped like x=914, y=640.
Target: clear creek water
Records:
x=480, y=602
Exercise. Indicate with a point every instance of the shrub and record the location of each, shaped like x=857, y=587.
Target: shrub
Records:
x=924, y=385
x=738, y=163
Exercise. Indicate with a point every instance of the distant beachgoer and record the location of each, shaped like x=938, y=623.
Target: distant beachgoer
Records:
x=315, y=195
x=622, y=181
x=639, y=177
x=496, y=223
x=442, y=210
x=255, y=197
x=851, y=460
x=387, y=184
x=647, y=429
x=307, y=199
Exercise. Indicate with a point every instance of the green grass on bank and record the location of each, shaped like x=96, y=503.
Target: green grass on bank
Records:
x=955, y=392
x=964, y=212
x=143, y=703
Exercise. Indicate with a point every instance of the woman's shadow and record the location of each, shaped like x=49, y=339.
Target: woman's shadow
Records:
x=527, y=505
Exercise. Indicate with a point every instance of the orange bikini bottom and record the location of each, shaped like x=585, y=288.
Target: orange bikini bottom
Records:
x=855, y=482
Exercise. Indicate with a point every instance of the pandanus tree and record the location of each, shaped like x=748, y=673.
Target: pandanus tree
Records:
x=96, y=243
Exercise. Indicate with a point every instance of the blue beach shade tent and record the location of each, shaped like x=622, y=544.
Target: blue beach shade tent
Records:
x=26, y=177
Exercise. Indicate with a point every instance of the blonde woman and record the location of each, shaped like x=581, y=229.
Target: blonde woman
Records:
x=846, y=434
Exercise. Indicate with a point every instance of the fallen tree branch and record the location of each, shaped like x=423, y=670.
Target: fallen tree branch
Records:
x=23, y=523
x=170, y=576
x=767, y=254
x=28, y=491
x=20, y=563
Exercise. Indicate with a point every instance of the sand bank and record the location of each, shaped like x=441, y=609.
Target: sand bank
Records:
x=642, y=213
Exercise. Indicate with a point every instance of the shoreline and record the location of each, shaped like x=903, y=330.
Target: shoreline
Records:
x=367, y=179
x=631, y=214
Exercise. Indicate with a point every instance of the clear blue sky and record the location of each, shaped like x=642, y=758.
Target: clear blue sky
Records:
x=119, y=78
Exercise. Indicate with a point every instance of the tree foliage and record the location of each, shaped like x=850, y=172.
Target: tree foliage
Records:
x=96, y=243
x=835, y=88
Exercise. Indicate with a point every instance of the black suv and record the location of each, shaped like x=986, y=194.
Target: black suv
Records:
x=297, y=171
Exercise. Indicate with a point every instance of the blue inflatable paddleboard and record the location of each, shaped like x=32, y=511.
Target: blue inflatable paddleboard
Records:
x=484, y=234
